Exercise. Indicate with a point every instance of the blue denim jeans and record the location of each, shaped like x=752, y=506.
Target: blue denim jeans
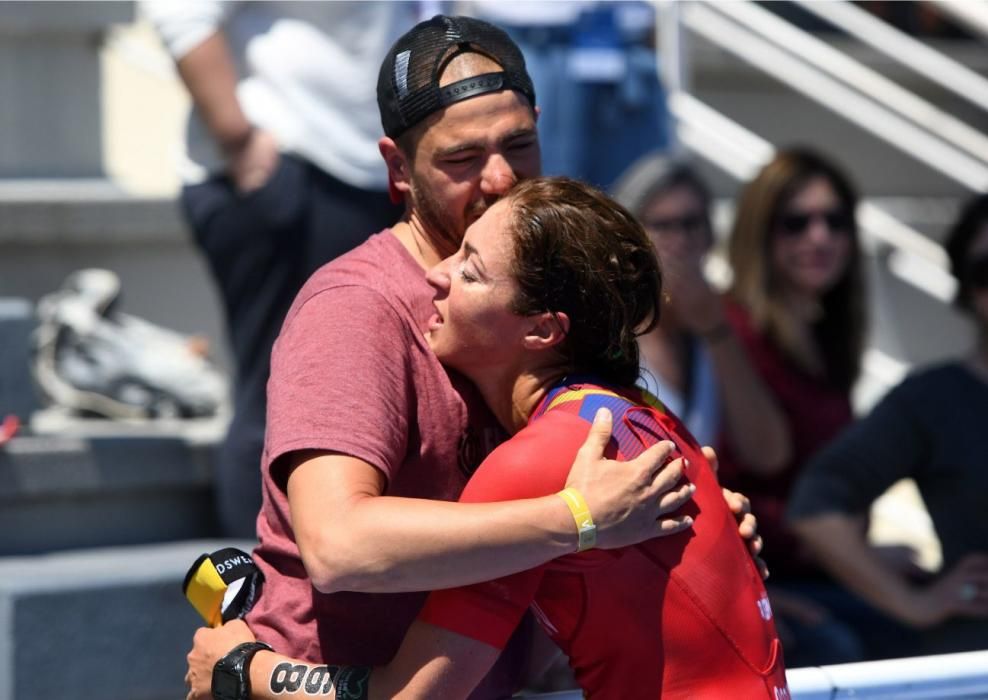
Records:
x=593, y=127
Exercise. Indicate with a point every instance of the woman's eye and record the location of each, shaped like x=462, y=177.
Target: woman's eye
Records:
x=465, y=274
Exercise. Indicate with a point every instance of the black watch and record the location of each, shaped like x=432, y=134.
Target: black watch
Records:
x=231, y=676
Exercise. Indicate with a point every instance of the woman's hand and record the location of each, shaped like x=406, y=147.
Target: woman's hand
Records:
x=739, y=504
x=629, y=500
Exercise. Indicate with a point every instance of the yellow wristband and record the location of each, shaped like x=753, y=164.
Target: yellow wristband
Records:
x=585, y=528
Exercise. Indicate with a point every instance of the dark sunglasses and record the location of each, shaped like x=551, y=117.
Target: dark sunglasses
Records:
x=977, y=273
x=795, y=224
x=688, y=223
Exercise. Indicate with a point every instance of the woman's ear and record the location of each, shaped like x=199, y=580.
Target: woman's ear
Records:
x=548, y=330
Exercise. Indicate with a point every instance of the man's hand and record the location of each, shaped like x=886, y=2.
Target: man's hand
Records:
x=739, y=504
x=961, y=592
x=629, y=499
x=209, y=645
x=253, y=162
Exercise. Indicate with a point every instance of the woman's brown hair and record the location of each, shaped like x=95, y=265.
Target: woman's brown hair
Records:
x=578, y=252
x=839, y=332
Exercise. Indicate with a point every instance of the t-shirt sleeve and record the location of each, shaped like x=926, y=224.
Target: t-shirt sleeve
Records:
x=184, y=25
x=862, y=462
x=340, y=380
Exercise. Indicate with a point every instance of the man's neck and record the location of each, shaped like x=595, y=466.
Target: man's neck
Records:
x=426, y=249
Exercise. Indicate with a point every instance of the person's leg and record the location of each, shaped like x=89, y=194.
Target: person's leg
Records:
x=253, y=245
x=261, y=249
x=811, y=635
x=627, y=118
x=878, y=636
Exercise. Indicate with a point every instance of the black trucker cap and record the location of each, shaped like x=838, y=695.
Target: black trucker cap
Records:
x=408, y=85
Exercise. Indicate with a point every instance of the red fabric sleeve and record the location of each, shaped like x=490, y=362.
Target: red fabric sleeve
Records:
x=533, y=463
x=339, y=378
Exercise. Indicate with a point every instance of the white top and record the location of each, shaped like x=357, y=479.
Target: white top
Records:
x=700, y=411
x=533, y=12
x=308, y=73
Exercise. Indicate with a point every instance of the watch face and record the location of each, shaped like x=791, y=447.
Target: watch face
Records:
x=226, y=685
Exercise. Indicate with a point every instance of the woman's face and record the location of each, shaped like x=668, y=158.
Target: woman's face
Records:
x=473, y=326
x=677, y=224
x=811, y=240
x=977, y=257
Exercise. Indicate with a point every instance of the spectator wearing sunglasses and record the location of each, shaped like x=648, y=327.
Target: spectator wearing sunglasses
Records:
x=692, y=360
x=930, y=428
x=796, y=305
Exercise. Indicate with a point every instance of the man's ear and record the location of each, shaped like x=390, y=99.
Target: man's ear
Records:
x=548, y=330
x=399, y=168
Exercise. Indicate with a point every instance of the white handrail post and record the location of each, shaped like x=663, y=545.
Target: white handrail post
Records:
x=973, y=15
x=672, y=56
x=903, y=48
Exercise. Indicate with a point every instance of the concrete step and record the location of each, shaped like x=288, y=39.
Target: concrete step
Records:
x=92, y=483
x=107, y=623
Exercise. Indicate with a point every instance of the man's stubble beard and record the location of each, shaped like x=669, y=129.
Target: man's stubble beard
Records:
x=439, y=221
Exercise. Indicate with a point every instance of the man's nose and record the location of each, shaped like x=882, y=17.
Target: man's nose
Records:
x=497, y=177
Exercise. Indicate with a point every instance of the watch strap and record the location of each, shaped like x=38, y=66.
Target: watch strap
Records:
x=236, y=665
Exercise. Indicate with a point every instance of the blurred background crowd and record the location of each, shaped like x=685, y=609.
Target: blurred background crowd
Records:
x=814, y=178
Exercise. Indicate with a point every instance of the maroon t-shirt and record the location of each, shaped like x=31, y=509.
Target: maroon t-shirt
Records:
x=351, y=372
x=816, y=411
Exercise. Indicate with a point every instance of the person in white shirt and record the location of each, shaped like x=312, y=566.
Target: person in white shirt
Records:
x=282, y=174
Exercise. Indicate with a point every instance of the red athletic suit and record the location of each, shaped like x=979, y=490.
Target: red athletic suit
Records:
x=684, y=616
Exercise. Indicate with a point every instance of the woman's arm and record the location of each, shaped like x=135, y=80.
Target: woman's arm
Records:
x=753, y=420
x=432, y=663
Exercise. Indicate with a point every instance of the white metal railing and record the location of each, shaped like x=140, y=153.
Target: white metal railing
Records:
x=963, y=675
x=751, y=32
x=942, y=677
x=901, y=47
x=842, y=85
x=973, y=15
x=865, y=80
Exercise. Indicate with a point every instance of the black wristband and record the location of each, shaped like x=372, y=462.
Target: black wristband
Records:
x=351, y=682
x=231, y=674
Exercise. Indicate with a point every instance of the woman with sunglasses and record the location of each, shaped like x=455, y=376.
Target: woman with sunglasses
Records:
x=692, y=360
x=797, y=306
x=931, y=428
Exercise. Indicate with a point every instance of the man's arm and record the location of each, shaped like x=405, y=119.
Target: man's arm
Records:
x=829, y=502
x=839, y=541
x=375, y=543
x=193, y=35
x=211, y=79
